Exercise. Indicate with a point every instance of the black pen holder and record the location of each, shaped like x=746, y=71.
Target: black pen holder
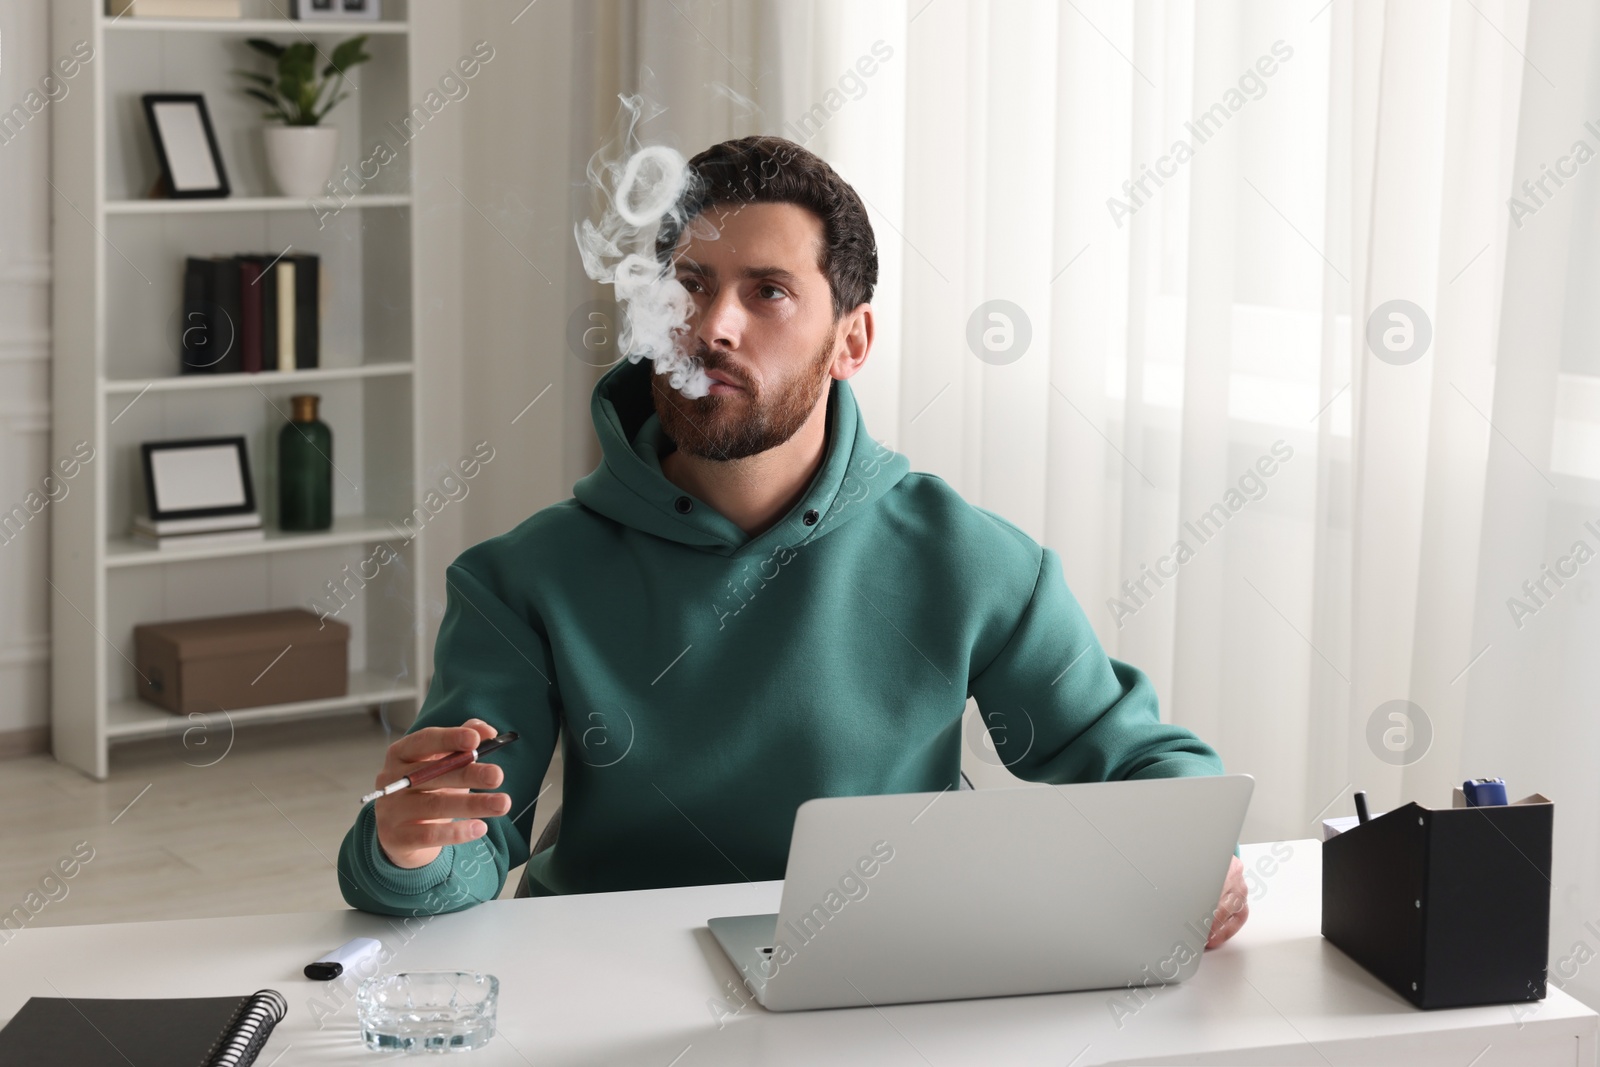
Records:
x=1449, y=907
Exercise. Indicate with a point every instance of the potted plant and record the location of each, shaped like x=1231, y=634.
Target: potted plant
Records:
x=300, y=151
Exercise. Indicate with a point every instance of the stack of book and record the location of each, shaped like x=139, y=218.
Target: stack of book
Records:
x=175, y=533
x=250, y=313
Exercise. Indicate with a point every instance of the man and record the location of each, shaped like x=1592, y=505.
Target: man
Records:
x=749, y=603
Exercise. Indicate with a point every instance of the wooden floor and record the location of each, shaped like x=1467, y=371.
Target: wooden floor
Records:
x=257, y=832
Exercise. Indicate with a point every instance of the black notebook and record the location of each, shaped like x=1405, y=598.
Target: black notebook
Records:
x=188, y=1032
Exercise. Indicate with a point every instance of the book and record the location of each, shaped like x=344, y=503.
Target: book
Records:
x=210, y=335
x=87, y=1032
x=202, y=524
x=194, y=331
x=287, y=284
x=268, y=284
x=226, y=318
x=188, y=540
x=249, y=314
x=191, y=9
x=307, y=310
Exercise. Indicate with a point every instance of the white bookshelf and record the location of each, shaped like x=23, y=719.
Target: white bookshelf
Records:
x=301, y=378
x=252, y=203
x=118, y=262
x=257, y=27
x=130, y=720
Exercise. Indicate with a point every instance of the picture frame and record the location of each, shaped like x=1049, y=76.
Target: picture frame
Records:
x=355, y=10
x=197, y=477
x=186, y=145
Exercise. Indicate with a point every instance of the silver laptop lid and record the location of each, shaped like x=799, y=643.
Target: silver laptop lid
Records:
x=990, y=892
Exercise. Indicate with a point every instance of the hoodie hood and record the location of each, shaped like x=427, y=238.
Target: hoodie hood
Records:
x=628, y=486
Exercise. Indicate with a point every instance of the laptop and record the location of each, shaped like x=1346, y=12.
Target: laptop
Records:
x=992, y=892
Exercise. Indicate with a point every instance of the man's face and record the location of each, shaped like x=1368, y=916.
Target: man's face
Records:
x=763, y=323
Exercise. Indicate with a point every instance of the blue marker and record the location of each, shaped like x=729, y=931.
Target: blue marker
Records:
x=1484, y=792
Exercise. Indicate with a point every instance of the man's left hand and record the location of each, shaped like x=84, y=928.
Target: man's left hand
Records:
x=1234, y=907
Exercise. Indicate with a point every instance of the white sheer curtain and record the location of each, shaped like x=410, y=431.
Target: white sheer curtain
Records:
x=1199, y=367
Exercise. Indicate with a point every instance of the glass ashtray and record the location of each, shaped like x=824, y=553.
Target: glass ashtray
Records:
x=427, y=1011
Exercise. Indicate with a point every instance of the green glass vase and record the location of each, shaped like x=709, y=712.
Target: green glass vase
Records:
x=305, y=469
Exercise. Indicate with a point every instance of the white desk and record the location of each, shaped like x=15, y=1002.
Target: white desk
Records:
x=625, y=978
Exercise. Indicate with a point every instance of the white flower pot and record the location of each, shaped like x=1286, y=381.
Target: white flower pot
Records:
x=301, y=158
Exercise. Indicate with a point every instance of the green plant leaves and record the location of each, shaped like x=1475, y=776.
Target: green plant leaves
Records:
x=347, y=55
x=265, y=47
x=298, y=95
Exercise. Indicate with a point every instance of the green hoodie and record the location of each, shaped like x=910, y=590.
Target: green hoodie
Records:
x=708, y=682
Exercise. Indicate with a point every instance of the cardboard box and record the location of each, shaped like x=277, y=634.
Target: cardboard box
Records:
x=227, y=662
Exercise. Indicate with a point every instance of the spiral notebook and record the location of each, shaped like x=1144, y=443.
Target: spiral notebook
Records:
x=187, y=1032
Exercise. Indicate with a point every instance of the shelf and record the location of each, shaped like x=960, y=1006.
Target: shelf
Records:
x=203, y=205
x=115, y=326
x=128, y=720
x=304, y=27
x=347, y=530
x=188, y=382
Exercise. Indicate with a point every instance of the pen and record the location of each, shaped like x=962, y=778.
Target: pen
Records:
x=429, y=771
x=1361, y=805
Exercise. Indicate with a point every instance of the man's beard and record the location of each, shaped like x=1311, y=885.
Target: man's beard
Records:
x=735, y=425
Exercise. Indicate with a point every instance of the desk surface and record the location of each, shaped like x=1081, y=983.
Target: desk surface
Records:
x=631, y=978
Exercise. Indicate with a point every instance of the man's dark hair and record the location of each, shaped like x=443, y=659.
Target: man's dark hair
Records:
x=774, y=170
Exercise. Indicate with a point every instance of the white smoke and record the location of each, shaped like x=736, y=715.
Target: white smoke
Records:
x=638, y=186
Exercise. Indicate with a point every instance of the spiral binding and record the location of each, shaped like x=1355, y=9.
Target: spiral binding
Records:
x=248, y=1030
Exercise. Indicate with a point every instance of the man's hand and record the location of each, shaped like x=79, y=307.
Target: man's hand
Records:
x=1233, y=909
x=414, y=824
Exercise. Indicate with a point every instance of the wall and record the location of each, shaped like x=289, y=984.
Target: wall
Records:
x=24, y=377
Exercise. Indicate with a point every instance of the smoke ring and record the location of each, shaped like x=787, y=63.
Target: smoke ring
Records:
x=669, y=183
